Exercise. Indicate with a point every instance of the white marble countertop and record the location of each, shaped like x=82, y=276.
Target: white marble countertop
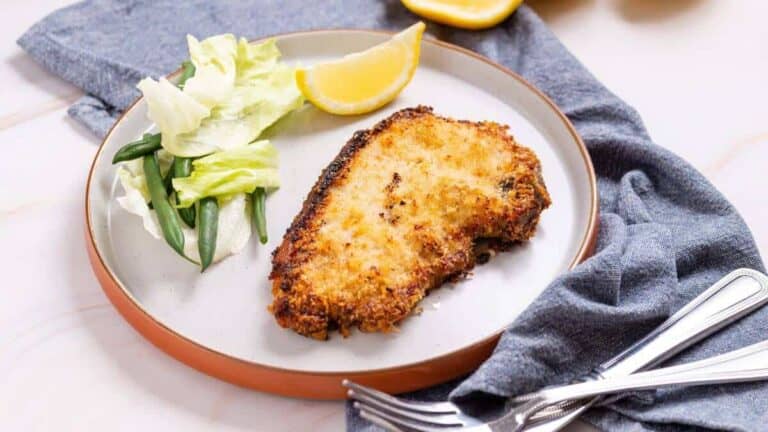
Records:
x=695, y=69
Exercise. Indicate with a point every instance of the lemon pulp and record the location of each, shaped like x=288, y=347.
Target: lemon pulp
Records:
x=365, y=81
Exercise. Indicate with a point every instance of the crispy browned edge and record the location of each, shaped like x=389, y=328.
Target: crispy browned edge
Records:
x=330, y=177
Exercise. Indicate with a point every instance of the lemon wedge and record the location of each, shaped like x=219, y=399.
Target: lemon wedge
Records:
x=362, y=82
x=468, y=14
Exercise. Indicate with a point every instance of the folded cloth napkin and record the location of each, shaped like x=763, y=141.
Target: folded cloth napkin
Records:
x=665, y=233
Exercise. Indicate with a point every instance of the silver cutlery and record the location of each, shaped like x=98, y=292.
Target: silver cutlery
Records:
x=742, y=365
x=736, y=295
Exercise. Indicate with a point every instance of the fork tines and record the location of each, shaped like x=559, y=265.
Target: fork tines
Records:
x=397, y=414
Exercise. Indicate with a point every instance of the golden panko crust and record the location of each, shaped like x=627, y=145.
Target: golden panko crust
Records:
x=395, y=214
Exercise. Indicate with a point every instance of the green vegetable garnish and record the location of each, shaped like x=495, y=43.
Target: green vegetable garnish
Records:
x=180, y=168
x=207, y=230
x=166, y=215
x=230, y=172
x=237, y=91
x=259, y=214
x=148, y=144
x=227, y=94
x=187, y=71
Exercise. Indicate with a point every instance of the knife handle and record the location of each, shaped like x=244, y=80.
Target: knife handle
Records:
x=734, y=296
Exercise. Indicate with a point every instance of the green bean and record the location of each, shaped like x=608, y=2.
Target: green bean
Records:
x=182, y=167
x=168, y=180
x=148, y=144
x=188, y=70
x=166, y=215
x=168, y=183
x=259, y=215
x=208, y=222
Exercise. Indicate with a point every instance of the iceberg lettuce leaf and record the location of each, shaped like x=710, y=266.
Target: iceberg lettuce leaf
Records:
x=244, y=89
x=230, y=172
x=260, y=154
x=215, y=69
x=248, y=111
x=223, y=183
x=174, y=111
x=255, y=61
x=136, y=196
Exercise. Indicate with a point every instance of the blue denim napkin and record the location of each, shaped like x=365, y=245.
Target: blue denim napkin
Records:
x=665, y=233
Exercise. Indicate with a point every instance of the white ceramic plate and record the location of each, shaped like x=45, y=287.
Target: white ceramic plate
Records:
x=223, y=312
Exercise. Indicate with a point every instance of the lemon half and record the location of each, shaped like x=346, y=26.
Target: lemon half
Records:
x=468, y=14
x=362, y=82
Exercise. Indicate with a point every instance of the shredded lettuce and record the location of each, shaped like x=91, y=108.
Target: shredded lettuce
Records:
x=260, y=154
x=233, y=230
x=174, y=111
x=215, y=69
x=243, y=87
x=230, y=172
x=237, y=91
x=255, y=61
x=131, y=175
x=234, y=227
x=136, y=199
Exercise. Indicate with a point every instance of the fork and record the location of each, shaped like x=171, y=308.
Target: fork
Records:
x=742, y=365
x=734, y=296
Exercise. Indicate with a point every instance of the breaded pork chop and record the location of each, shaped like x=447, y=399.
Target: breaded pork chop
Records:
x=396, y=214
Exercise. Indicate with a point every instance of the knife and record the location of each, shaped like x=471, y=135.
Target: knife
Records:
x=736, y=295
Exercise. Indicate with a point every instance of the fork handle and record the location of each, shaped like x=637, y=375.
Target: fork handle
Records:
x=746, y=364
